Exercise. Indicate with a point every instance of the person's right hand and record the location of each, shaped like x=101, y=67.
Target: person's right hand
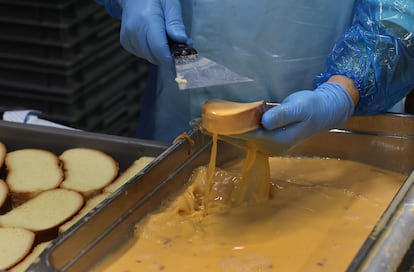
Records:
x=299, y=116
x=145, y=25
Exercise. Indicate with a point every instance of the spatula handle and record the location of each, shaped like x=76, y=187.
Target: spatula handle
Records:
x=181, y=49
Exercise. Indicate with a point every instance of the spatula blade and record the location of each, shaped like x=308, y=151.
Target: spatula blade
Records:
x=194, y=71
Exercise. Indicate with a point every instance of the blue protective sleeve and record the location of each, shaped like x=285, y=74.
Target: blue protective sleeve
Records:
x=112, y=7
x=377, y=52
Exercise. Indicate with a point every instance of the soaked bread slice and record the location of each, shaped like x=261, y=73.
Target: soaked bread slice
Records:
x=131, y=171
x=44, y=213
x=15, y=244
x=30, y=172
x=87, y=171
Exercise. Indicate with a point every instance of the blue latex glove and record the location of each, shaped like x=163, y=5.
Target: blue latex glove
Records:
x=145, y=25
x=301, y=115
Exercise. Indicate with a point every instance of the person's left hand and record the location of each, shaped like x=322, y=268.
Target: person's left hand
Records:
x=301, y=115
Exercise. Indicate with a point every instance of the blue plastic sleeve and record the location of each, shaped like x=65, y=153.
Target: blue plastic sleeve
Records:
x=377, y=53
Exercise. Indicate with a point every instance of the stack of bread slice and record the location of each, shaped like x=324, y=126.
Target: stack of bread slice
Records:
x=44, y=194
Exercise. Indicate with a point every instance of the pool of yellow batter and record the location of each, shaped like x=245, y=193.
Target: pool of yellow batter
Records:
x=319, y=213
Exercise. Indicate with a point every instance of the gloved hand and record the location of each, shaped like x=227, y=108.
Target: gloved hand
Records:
x=145, y=25
x=301, y=115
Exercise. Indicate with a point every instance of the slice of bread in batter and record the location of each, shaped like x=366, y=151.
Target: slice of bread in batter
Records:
x=30, y=172
x=87, y=170
x=44, y=213
x=89, y=205
x=131, y=171
x=15, y=244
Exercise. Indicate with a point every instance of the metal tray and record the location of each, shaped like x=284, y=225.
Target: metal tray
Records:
x=123, y=149
x=111, y=224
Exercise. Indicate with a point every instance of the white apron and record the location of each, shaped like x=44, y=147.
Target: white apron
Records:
x=280, y=44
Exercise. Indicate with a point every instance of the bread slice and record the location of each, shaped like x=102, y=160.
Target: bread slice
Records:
x=88, y=171
x=15, y=244
x=4, y=197
x=44, y=213
x=131, y=171
x=3, y=152
x=90, y=204
x=31, y=171
x=31, y=258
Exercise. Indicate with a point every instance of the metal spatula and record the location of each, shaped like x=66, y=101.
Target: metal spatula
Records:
x=194, y=71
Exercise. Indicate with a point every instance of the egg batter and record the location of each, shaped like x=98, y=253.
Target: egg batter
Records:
x=318, y=213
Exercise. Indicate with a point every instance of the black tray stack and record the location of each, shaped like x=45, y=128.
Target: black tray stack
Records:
x=63, y=58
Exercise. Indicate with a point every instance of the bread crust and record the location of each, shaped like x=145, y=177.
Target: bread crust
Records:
x=3, y=152
x=5, y=204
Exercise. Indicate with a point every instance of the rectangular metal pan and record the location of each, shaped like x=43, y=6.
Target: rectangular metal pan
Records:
x=124, y=150
x=112, y=223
